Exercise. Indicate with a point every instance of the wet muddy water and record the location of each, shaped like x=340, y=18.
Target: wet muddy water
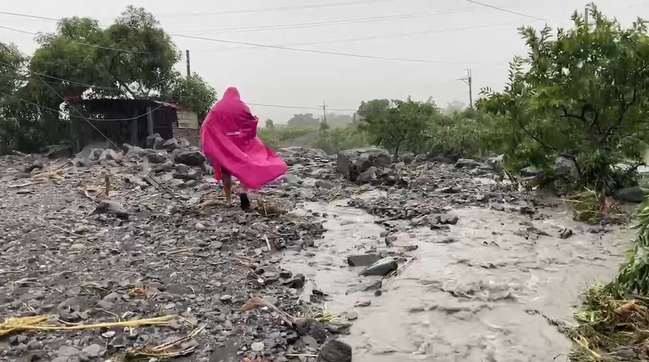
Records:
x=477, y=292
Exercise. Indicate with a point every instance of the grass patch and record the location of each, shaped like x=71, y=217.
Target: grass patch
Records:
x=610, y=328
x=329, y=140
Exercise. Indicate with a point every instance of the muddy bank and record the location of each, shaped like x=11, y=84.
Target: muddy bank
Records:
x=481, y=290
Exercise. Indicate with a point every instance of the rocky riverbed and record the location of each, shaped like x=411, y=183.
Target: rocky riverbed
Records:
x=418, y=259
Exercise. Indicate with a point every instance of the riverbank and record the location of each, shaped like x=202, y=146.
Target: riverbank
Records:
x=482, y=265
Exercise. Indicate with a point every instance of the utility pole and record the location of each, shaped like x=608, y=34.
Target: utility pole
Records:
x=324, y=112
x=469, y=81
x=586, y=13
x=189, y=73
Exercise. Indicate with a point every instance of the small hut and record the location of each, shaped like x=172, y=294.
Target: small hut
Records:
x=129, y=121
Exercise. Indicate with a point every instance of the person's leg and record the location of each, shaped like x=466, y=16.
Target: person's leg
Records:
x=243, y=197
x=227, y=186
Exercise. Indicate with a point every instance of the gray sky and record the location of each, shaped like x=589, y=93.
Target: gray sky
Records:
x=452, y=36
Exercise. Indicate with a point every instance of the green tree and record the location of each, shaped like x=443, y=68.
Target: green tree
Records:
x=66, y=62
x=324, y=125
x=458, y=135
x=402, y=126
x=373, y=109
x=581, y=94
x=303, y=120
x=133, y=58
x=269, y=124
x=140, y=54
x=11, y=65
x=191, y=92
x=339, y=120
x=11, y=77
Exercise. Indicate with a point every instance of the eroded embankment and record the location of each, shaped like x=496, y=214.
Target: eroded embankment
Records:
x=479, y=291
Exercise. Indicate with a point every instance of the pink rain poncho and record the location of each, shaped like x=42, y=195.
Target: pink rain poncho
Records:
x=229, y=140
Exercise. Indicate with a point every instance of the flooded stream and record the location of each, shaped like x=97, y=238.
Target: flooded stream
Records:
x=476, y=292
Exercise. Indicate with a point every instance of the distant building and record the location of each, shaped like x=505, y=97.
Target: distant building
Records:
x=131, y=121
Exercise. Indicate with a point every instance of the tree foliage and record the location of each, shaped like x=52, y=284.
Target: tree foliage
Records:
x=402, y=125
x=146, y=64
x=191, y=92
x=580, y=93
x=132, y=58
x=303, y=120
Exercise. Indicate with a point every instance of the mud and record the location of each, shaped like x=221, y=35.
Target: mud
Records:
x=481, y=291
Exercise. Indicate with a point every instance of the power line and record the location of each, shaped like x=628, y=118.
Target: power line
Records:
x=321, y=52
x=376, y=37
x=506, y=10
x=298, y=107
x=41, y=75
x=372, y=19
x=281, y=8
x=80, y=42
x=72, y=116
x=269, y=46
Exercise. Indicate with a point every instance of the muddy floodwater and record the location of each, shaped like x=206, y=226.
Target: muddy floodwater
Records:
x=480, y=291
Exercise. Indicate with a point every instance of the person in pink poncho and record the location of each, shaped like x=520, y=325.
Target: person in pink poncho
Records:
x=229, y=141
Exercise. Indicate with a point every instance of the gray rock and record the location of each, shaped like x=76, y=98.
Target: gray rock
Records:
x=182, y=169
x=351, y=163
x=530, y=171
x=155, y=157
x=108, y=155
x=150, y=140
x=363, y=259
x=59, y=151
x=408, y=158
x=311, y=327
x=496, y=162
x=634, y=195
x=111, y=208
x=566, y=168
x=443, y=159
x=257, y=346
x=91, y=351
x=170, y=144
x=158, y=142
x=134, y=150
x=324, y=184
x=367, y=176
x=67, y=351
x=190, y=158
x=291, y=179
x=382, y=267
x=335, y=351
x=467, y=163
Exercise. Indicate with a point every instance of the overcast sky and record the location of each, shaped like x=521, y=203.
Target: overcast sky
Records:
x=446, y=36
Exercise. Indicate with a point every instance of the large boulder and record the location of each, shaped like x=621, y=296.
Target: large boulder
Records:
x=352, y=163
x=190, y=158
x=634, y=195
x=565, y=167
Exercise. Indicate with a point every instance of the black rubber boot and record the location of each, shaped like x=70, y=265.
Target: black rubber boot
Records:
x=245, y=203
